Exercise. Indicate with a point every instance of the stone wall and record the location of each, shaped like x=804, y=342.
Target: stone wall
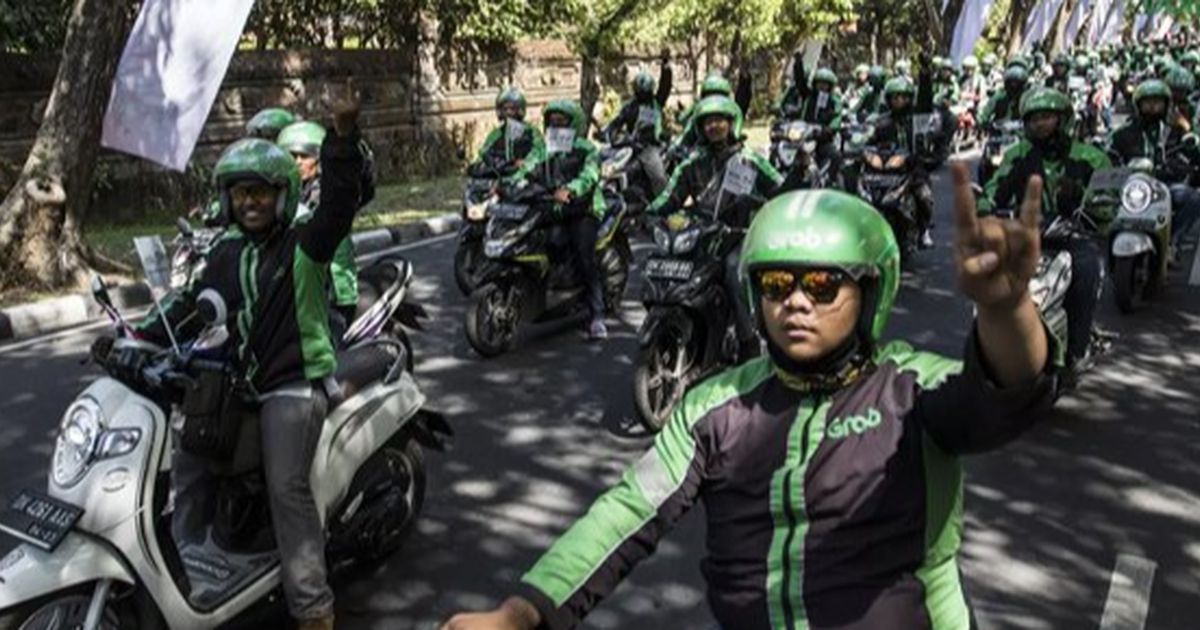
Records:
x=420, y=118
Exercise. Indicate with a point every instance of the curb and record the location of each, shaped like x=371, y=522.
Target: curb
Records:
x=37, y=318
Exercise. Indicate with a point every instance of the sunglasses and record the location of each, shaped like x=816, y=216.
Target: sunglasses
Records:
x=820, y=285
x=261, y=193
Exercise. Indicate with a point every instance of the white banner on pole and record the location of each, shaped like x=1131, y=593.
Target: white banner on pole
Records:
x=172, y=67
x=1100, y=11
x=1075, y=23
x=1039, y=23
x=970, y=26
x=1162, y=26
x=1113, y=25
x=1140, y=21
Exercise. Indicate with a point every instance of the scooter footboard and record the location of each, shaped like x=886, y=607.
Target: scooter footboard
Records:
x=28, y=573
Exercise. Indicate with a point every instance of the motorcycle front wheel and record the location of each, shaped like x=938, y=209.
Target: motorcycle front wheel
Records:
x=493, y=316
x=466, y=258
x=68, y=609
x=661, y=378
x=389, y=493
x=1130, y=276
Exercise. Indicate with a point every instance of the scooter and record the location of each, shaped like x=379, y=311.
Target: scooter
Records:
x=97, y=547
x=1139, y=236
x=519, y=284
x=886, y=183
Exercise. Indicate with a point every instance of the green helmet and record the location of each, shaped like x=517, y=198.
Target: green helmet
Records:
x=1062, y=60
x=899, y=85
x=267, y=123
x=827, y=228
x=1191, y=57
x=1018, y=60
x=825, y=75
x=991, y=59
x=970, y=62
x=302, y=137
x=861, y=69
x=511, y=95
x=1180, y=80
x=258, y=159
x=571, y=110
x=643, y=84
x=715, y=84
x=1016, y=73
x=718, y=105
x=1044, y=99
x=877, y=76
x=1151, y=88
x=942, y=63
x=903, y=66
x=1082, y=62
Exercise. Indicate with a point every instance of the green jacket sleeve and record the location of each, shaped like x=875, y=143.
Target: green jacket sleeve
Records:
x=494, y=136
x=673, y=194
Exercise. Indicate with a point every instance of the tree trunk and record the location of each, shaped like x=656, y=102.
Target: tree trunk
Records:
x=40, y=241
x=589, y=83
x=1016, y=24
x=1060, y=25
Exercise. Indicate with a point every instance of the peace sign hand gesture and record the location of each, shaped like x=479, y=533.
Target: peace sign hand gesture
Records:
x=996, y=257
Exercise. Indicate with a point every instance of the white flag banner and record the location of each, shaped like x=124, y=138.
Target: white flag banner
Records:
x=1075, y=22
x=1140, y=21
x=1040, y=21
x=169, y=75
x=1100, y=9
x=970, y=26
x=1162, y=26
x=1113, y=25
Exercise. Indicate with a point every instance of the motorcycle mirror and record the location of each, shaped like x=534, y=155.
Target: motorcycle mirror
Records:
x=1191, y=140
x=184, y=227
x=211, y=307
x=100, y=291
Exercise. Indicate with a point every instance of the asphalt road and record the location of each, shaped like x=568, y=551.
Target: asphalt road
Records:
x=1111, y=482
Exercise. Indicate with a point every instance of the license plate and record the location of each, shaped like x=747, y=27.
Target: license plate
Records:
x=883, y=180
x=667, y=269
x=38, y=519
x=509, y=211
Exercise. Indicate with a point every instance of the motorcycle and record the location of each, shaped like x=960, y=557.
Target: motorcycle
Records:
x=794, y=146
x=886, y=183
x=966, y=133
x=478, y=196
x=523, y=278
x=623, y=175
x=688, y=332
x=97, y=547
x=1139, y=235
x=1003, y=136
x=855, y=136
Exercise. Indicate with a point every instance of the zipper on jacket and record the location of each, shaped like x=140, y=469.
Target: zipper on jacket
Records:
x=789, y=614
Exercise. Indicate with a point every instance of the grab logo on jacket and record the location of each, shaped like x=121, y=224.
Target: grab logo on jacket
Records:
x=839, y=428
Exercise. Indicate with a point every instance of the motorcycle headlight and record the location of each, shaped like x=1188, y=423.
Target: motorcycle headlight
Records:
x=477, y=211
x=75, y=448
x=1136, y=196
x=895, y=162
x=810, y=147
x=685, y=241
x=874, y=161
x=795, y=133
x=662, y=239
x=996, y=160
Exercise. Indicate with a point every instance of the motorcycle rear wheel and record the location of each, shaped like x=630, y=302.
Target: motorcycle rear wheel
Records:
x=466, y=257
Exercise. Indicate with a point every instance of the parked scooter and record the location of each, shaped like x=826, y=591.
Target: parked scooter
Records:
x=886, y=183
x=98, y=550
x=1139, y=235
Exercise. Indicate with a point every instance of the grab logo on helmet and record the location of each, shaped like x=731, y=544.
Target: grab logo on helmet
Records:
x=807, y=238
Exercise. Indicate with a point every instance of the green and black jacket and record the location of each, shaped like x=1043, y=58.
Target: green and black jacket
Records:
x=700, y=179
x=1065, y=181
x=823, y=511
x=499, y=152
x=1137, y=139
x=276, y=288
x=1001, y=107
x=577, y=170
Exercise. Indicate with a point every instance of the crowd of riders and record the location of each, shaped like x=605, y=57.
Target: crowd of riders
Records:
x=800, y=531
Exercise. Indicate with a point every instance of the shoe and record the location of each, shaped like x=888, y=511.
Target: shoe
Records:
x=323, y=623
x=597, y=330
x=926, y=240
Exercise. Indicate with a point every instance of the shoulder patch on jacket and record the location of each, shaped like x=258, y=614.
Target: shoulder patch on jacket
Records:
x=930, y=369
x=723, y=387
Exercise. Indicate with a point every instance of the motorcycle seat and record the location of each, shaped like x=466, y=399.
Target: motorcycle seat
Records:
x=360, y=366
